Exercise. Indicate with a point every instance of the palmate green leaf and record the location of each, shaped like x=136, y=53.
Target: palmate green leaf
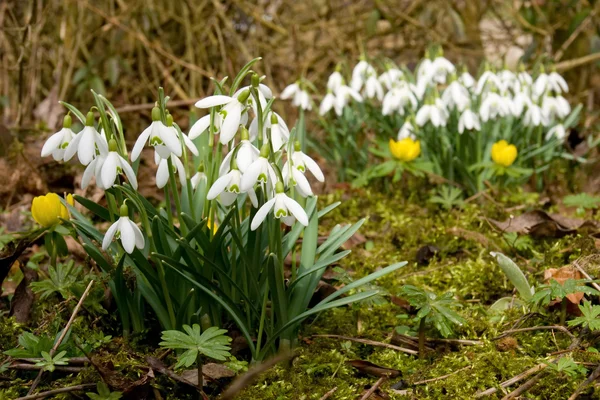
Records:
x=583, y=200
x=555, y=290
x=212, y=343
x=590, y=318
x=104, y=393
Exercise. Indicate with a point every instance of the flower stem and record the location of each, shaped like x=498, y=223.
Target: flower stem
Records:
x=422, y=338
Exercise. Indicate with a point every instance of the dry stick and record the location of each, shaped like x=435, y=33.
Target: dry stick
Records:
x=536, y=328
x=439, y=378
x=62, y=336
x=57, y=391
x=373, y=388
x=512, y=380
x=328, y=394
x=371, y=343
x=593, y=376
x=586, y=275
x=32, y=367
x=583, y=25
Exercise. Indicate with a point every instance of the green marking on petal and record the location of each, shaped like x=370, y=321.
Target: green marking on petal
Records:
x=281, y=213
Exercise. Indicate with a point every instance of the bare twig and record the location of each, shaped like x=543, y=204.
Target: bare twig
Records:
x=32, y=367
x=62, y=336
x=513, y=380
x=328, y=394
x=593, y=376
x=58, y=391
x=586, y=275
x=373, y=388
x=583, y=25
x=536, y=328
x=371, y=343
x=439, y=378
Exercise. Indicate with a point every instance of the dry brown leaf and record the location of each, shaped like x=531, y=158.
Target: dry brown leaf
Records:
x=563, y=274
x=212, y=371
x=539, y=223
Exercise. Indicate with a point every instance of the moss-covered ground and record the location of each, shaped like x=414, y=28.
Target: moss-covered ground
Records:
x=397, y=227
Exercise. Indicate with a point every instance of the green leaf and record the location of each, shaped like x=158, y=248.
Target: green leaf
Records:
x=212, y=343
x=515, y=275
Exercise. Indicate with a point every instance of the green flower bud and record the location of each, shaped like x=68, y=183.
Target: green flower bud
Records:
x=124, y=211
x=255, y=80
x=244, y=96
x=279, y=188
x=155, y=114
x=89, y=119
x=264, y=151
x=112, y=145
x=67, y=121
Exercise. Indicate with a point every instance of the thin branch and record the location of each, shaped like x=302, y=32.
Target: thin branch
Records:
x=58, y=391
x=374, y=388
x=62, y=336
x=439, y=378
x=371, y=343
x=593, y=376
x=328, y=394
x=536, y=328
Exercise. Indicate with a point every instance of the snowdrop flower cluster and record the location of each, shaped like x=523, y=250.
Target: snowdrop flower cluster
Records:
x=438, y=89
x=247, y=169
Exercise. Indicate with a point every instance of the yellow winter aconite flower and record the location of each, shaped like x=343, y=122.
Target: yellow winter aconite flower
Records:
x=47, y=210
x=406, y=149
x=503, y=153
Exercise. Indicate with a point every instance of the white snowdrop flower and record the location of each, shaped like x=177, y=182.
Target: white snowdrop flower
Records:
x=253, y=128
x=441, y=68
x=86, y=143
x=557, y=83
x=456, y=96
x=199, y=177
x=406, y=131
x=162, y=173
x=203, y=124
x=469, y=121
x=390, y=77
x=558, y=131
x=493, y=106
x=360, y=73
x=114, y=165
x=373, y=88
x=94, y=169
x=283, y=208
x=486, y=80
x=507, y=79
x=519, y=101
x=260, y=171
x=227, y=187
x=419, y=89
x=335, y=81
x=425, y=70
x=343, y=96
x=302, y=100
x=231, y=113
x=534, y=116
x=327, y=103
x=398, y=98
x=524, y=78
x=467, y=80
x=59, y=141
x=278, y=135
x=164, y=140
x=246, y=153
x=125, y=230
x=290, y=91
x=431, y=113
x=555, y=107
x=302, y=162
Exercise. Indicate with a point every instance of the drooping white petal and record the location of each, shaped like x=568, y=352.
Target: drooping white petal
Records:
x=139, y=237
x=128, y=172
x=140, y=143
x=127, y=234
x=313, y=167
x=162, y=173
x=53, y=143
x=252, y=173
x=261, y=214
x=109, y=169
x=218, y=187
x=296, y=210
x=199, y=127
x=213, y=101
x=109, y=235
x=231, y=123
x=301, y=183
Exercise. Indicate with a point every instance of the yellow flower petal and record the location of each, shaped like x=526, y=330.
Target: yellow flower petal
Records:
x=503, y=153
x=406, y=149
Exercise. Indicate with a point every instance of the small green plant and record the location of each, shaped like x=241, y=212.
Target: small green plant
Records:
x=104, y=393
x=211, y=343
x=32, y=346
x=432, y=310
x=522, y=243
x=61, y=279
x=555, y=290
x=448, y=197
x=517, y=278
x=567, y=366
x=49, y=363
x=590, y=318
x=582, y=201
